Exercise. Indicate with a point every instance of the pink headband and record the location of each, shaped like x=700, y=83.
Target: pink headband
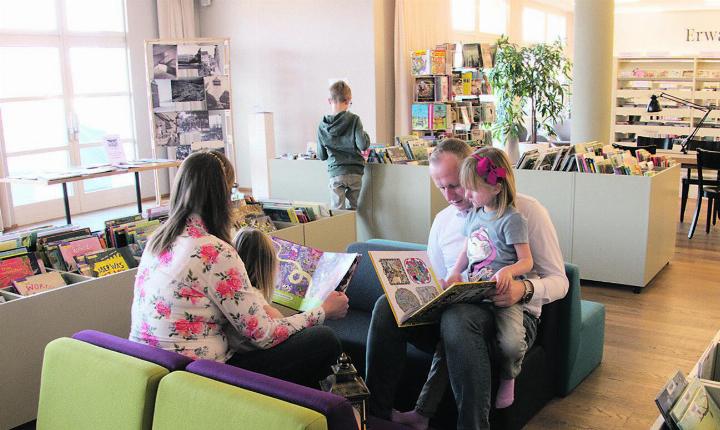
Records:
x=487, y=170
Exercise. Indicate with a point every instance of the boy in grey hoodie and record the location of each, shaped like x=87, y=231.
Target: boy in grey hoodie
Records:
x=341, y=139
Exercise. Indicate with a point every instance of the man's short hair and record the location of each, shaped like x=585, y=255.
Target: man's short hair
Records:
x=453, y=146
x=340, y=92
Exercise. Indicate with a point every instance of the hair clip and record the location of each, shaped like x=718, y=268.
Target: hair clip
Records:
x=487, y=170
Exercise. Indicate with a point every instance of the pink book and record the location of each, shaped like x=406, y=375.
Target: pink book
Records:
x=14, y=268
x=78, y=247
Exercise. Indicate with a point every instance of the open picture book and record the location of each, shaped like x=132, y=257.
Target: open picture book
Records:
x=308, y=275
x=415, y=295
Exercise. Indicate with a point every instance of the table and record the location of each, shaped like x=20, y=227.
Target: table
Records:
x=686, y=160
x=63, y=180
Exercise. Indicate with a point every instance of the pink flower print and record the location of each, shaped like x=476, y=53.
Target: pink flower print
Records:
x=194, y=232
x=224, y=289
x=187, y=328
x=163, y=309
x=311, y=321
x=142, y=277
x=251, y=324
x=165, y=257
x=147, y=336
x=209, y=254
x=280, y=334
x=190, y=294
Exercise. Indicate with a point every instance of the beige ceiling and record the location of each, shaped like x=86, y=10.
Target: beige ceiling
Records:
x=646, y=5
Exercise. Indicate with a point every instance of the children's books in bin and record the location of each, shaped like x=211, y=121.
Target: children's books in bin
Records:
x=39, y=283
x=414, y=294
x=18, y=263
x=308, y=275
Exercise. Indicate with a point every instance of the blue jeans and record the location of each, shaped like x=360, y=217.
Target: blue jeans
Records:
x=466, y=332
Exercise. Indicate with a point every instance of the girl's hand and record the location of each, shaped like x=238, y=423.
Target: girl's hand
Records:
x=272, y=312
x=453, y=278
x=503, y=278
x=335, y=306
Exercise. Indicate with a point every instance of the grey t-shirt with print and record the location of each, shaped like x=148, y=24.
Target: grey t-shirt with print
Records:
x=491, y=241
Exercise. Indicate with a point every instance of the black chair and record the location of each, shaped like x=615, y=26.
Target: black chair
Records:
x=706, y=160
x=689, y=179
x=650, y=148
x=658, y=142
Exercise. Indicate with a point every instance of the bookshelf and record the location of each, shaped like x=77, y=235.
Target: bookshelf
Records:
x=691, y=78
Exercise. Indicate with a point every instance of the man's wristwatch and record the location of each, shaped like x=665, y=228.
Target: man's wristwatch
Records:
x=529, y=291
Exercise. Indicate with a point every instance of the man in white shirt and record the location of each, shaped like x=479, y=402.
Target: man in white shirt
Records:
x=465, y=329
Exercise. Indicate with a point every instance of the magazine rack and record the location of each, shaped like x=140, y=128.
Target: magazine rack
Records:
x=189, y=96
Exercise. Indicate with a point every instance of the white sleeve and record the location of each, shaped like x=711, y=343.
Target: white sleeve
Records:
x=435, y=253
x=549, y=265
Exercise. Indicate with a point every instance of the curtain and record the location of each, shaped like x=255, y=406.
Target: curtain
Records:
x=419, y=24
x=176, y=19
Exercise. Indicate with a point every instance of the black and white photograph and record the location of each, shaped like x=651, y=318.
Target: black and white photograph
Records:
x=471, y=55
x=215, y=127
x=165, y=61
x=211, y=60
x=182, y=152
x=187, y=90
x=188, y=60
x=191, y=125
x=166, y=130
x=215, y=145
x=217, y=92
x=162, y=96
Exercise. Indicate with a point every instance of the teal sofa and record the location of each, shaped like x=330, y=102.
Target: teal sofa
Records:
x=569, y=344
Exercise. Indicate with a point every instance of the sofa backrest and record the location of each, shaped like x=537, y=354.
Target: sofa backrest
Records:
x=167, y=359
x=84, y=386
x=365, y=288
x=189, y=401
x=336, y=409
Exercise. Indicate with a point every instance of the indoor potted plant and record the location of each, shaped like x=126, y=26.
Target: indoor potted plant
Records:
x=538, y=75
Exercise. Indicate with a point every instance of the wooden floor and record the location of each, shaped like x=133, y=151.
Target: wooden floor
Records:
x=648, y=337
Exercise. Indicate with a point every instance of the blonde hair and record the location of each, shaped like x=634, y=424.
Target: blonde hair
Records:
x=340, y=92
x=471, y=180
x=257, y=252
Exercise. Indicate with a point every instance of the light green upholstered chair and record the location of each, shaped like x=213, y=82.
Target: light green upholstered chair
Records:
x=189, y=401
x=84, y=386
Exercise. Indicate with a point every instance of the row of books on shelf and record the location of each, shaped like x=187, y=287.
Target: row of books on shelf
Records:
x=594, y=157
x=442, y=59
x=693, y=402
x=451, y=115
x=465, y=83
x=262, y=214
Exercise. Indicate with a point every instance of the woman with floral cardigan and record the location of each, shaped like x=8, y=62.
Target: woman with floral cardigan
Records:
x=193, y=295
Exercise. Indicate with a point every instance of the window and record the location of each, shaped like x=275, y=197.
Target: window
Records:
x=540, y=26
x=479, y=16
x=69, y=88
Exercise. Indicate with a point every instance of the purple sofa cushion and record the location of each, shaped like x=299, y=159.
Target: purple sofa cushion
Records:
x=336, y=409
x=166, y=359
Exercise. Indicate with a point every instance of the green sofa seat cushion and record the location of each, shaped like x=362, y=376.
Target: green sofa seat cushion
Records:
x=189, y=401
x=84, y=386
x=591, y=340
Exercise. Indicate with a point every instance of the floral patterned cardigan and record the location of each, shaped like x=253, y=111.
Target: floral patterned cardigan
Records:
x=196, y=299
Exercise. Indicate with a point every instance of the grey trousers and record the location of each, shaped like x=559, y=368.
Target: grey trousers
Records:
x=342, y=187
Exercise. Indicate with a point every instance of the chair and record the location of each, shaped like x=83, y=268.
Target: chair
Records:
x=689, y=179
x=659, y=142
x=706, y=160
x=650, y=148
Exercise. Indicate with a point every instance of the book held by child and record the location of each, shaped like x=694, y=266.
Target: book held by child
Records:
x=415, y=295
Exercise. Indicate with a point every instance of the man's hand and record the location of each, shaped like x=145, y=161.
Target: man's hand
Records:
x=513, y=295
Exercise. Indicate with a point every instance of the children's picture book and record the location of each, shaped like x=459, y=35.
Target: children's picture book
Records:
x=39, y=283
x=440, y=116
x=457, y=83
x=18, y=267
x=397, y=154
x=425, y=89
x=442, y=88
x=421, y=116
x=415, y=295
x=308, y=275
x=106, y=262
x=420, y=62
x=438, y=62
x=487, y=55
x=669, y=394
x=78, y=247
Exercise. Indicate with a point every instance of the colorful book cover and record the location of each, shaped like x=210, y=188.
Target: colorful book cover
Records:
x=78, y=247
x=15, y=268
x=457, y=83
x=421, y=116
x=442, y=88
x=413, y=292
x=39, y=283
x=440, y=114
x=111, y=261
x=438, y=62
x=467, y=78
x=308, y=275
x=420, y=62
x=425, y=89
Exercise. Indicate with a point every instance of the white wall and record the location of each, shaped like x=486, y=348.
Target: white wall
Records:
x=665, y=33
x=142, y=25
x=282, y=55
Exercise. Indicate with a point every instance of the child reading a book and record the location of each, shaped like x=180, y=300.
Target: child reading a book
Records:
x=496, y=249
x=341, y=140
x=261, y=263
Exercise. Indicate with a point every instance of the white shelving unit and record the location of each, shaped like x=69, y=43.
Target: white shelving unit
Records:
x=691, y=78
